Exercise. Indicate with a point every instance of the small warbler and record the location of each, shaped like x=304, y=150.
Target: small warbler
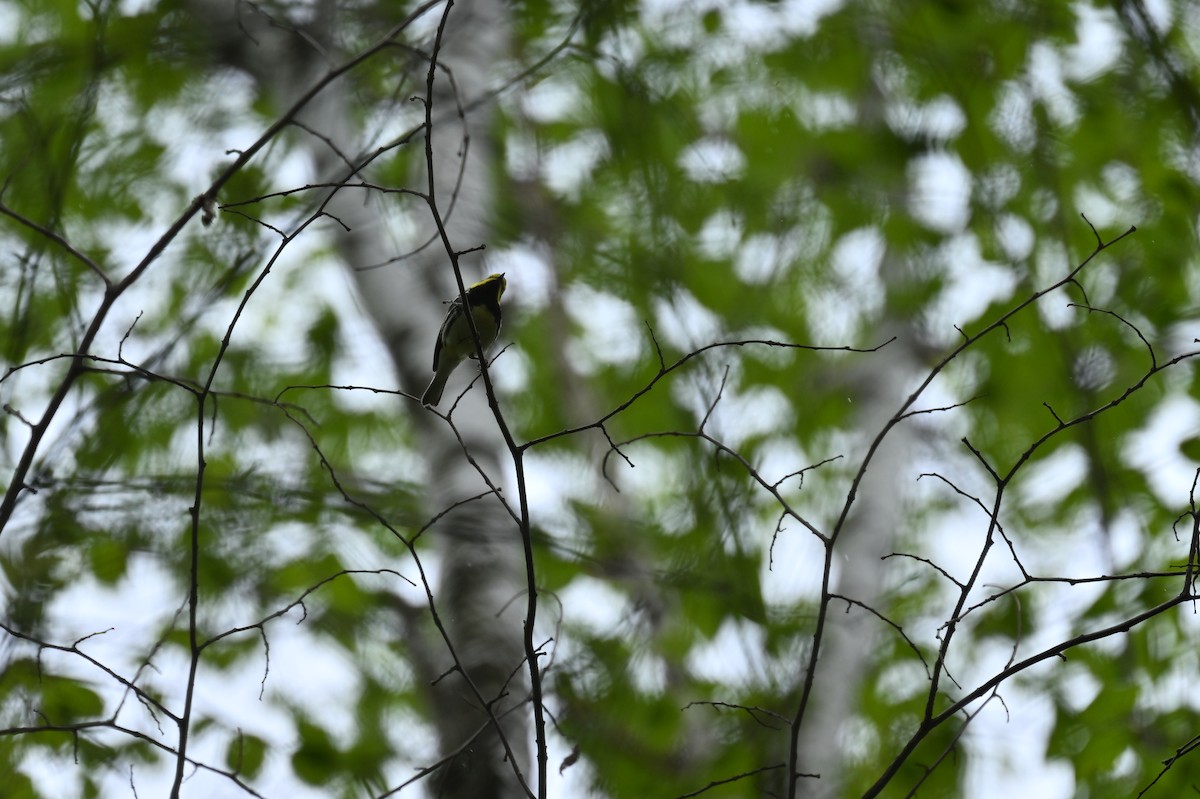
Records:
x=455, y=342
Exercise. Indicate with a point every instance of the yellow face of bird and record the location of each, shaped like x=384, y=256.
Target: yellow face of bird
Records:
x=495, y=280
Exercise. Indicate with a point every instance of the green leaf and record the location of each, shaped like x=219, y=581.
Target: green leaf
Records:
x=245, y=755
x=109, y=559
x=316, y=761
x=64, y=700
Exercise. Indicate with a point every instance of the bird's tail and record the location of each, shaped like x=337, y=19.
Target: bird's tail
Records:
x=433, y=394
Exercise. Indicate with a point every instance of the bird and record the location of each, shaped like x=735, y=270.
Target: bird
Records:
x=454, y=340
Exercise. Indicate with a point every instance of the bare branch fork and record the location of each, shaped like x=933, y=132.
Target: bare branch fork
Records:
x=933, y=718
x=115, y=288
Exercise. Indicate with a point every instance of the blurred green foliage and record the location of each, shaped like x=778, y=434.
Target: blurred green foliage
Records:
x=817, y=174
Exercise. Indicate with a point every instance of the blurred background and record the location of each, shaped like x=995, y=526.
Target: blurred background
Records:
x=812, y=345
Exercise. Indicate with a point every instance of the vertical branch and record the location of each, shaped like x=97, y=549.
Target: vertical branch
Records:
x=515, y=451
x=531, y=653
x=1193, y=560
x=793, y=765
x=964, y=592
x=202, y=395
x=185, y=718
